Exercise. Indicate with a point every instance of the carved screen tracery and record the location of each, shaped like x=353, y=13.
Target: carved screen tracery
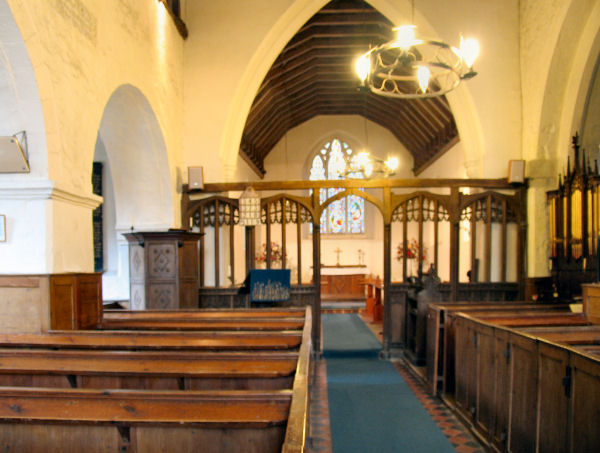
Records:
x=419, y=222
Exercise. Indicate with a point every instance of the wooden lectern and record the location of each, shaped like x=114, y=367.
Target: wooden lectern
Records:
x=163, y=269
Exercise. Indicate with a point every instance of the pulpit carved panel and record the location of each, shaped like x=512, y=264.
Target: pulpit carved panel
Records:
x=163, y=296
x=162, y=259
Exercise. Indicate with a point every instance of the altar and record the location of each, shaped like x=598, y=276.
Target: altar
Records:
x=343, y=282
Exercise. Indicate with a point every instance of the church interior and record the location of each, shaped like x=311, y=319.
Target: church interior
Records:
x=299, y=225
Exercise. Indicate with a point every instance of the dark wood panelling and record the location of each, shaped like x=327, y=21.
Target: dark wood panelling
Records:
x=75, y=301
x=163, y=269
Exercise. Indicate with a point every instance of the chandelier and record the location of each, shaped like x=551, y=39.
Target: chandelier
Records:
x=411, y=68
x=367, y=166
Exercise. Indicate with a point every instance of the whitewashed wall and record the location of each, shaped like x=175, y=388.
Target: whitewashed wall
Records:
x=80, y=53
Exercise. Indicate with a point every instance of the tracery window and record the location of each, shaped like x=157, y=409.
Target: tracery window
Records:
x=336, y=160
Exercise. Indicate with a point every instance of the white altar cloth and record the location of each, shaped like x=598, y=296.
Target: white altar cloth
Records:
x=344, y=270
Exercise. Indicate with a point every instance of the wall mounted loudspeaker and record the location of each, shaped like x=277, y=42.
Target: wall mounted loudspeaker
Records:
x=195, y=178
x=13, y=154
x=516, y=171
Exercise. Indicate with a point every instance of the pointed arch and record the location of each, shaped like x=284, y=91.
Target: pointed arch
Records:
x=461, y=103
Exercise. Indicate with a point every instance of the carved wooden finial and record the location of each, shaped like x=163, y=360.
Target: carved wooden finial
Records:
x=575, y=141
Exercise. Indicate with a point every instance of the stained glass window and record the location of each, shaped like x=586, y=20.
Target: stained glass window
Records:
x=336, y=160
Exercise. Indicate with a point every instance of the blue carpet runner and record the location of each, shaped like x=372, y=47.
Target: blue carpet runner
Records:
x=371, y=407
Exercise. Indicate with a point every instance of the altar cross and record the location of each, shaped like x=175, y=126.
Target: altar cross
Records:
x=337, y=251
x=361, y=256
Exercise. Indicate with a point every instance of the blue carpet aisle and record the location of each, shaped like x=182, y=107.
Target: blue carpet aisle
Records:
x=371, y=407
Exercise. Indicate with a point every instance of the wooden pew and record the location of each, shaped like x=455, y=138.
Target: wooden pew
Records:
x=513, y=318
x=140, y=340
x=229, y=324
x=147, y=370
x=525, y=393
x=76, y=420
x=591, y=349
x=204, y=314
x=440, y=336
x=568, y=335
x=73, y=420
x=533, y=318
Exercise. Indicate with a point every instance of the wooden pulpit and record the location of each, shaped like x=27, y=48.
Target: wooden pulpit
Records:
x=163, y=269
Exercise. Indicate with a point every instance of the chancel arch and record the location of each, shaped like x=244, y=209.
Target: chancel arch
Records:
x=249, y=146
x=136, y=180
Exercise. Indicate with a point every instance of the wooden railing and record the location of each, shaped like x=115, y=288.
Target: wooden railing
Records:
x=374, y=305
x=297, y=427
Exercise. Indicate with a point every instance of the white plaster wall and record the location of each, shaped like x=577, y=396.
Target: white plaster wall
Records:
x=22, y=196
x=81, y=51
x=450, y=165
x=590, y=131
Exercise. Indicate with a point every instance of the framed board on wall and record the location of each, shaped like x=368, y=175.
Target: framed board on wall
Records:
x=2, y=228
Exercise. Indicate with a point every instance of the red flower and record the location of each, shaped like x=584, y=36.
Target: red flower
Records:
x=412, y=251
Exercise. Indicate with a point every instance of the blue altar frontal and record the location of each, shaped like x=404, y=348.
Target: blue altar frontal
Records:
x=269, y=285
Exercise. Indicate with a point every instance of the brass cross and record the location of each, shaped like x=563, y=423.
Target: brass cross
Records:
x=338, y=251
x=361, y=256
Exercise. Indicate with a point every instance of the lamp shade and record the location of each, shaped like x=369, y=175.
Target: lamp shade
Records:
x=249, y=208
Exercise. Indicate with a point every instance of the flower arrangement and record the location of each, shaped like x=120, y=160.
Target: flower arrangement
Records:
x=412, y=251
x=276, y=253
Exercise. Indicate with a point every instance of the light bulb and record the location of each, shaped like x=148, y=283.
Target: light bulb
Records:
x=368, y=169
x=405, y=38
x=423, y=75
x=363, y=66
x=363, y=158
x=469, y=50
x=392, y=163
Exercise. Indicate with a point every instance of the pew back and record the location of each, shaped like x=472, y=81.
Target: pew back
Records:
x=440, y=336
x=147, y=370
x=545, y=395
x=213, y=324
x=156, y=340
x=76, y=420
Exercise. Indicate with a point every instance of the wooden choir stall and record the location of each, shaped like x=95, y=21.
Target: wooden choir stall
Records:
x=525, y=375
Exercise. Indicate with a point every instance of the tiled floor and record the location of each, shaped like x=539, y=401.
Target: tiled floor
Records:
x=460, y=437
x=319, y=430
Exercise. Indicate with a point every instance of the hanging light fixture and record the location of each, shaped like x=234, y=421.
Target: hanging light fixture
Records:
x=363, y=165
x=249, y=208
x=411, y=68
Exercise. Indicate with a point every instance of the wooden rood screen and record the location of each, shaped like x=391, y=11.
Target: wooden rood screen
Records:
x=470, y=232
x=229, y=251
